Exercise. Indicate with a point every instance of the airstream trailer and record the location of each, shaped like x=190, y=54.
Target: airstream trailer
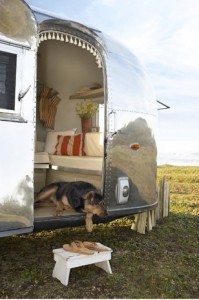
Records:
x=40, y=53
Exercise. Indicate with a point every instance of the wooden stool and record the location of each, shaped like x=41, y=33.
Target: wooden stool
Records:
x=66, y=260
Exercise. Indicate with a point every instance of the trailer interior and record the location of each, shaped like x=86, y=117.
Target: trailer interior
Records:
x=67, y=74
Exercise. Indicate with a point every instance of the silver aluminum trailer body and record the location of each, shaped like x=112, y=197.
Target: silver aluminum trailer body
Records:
x=129, y=173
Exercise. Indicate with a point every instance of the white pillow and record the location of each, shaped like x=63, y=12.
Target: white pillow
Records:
x=94, y=144
x=51, y=139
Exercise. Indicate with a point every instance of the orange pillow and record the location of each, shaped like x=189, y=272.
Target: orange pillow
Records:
x=70, y=145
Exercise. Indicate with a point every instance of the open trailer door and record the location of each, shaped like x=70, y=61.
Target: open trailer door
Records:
x=130, y=183
x=18, y=40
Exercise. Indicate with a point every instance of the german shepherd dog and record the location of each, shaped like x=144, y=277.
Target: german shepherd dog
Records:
x=78, y=195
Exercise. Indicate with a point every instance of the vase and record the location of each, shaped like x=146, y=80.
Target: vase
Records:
x=86, y=125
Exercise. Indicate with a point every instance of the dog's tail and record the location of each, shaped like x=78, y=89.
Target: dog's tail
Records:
x=47, y=192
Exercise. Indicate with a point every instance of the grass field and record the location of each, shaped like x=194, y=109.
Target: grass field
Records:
x=161, y=264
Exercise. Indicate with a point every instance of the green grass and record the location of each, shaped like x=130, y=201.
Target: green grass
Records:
x=161, y=264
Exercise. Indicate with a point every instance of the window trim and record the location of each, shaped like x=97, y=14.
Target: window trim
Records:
x=18, y=51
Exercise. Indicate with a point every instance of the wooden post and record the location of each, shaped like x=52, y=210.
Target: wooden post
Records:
x=163, y=199
x=168, y=198
x=135, y=223
x=153, y=218
x=141, y=227
x=164, y=204
x=157, y=210
x=149, y=221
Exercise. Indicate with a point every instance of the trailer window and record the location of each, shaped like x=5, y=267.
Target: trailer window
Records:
x=7, y=80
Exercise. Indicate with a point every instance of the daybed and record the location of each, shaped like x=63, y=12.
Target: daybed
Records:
x=61, y=167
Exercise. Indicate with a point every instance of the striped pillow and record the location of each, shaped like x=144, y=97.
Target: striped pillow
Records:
x=70, y=145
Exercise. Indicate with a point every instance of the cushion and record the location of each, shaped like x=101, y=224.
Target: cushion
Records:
x=93, y=144
x=70, y=145
x=51, y=139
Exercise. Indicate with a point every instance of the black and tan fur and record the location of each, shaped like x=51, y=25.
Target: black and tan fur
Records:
x=79, y=196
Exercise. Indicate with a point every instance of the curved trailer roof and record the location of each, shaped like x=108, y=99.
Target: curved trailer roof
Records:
x=128, y=82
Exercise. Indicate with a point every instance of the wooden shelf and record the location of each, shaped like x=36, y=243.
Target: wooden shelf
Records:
x=97, y=93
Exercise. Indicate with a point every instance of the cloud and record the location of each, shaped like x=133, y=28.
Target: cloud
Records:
x=159, y=32
x=177, y=47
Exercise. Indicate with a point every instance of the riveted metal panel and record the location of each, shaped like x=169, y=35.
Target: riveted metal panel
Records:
x=131, y=118
x=17, y=126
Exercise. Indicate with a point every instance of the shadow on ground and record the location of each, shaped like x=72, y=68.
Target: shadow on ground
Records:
x=159, y=264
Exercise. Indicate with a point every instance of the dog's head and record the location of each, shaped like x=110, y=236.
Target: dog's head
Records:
x=94, y=204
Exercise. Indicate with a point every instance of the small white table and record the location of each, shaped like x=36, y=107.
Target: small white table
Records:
x=66, y=260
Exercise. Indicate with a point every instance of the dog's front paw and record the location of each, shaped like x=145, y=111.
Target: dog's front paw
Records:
x=89, y=222
x=89, y=227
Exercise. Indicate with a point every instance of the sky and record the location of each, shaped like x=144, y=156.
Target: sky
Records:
x=165, y=37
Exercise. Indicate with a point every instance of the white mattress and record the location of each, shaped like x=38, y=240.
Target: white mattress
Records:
x=42, y=158
x=77, y=162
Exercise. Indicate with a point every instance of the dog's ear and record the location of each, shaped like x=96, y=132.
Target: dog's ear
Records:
x=90, y=196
